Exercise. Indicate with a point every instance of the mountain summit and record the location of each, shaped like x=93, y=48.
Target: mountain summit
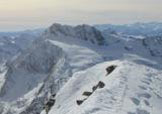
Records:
x=83, y=32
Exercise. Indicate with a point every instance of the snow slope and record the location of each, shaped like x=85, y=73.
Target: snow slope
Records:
x=130, y=89
x=79, y=57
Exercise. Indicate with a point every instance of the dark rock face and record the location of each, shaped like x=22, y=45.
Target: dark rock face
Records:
x=110, y=69
x=87, y=32
x=83, y=32
x=94, y=88
x=86, y=93
x=50, y=103
x=101, y=84
x=79, y=102
x=57, y=29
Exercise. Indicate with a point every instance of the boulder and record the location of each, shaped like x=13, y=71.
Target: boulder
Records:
x=86, y=93
x=110, y=69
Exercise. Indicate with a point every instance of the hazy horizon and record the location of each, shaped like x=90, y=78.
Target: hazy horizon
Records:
x=18, y=15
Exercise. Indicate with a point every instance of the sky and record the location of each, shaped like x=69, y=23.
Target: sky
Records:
x=29, y=14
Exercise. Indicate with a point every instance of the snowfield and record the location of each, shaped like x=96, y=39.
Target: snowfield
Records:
x=79, y=57
x=130, y=89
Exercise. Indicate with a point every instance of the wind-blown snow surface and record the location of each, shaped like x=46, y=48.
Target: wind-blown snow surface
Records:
x=70, y=60
x=130, y=89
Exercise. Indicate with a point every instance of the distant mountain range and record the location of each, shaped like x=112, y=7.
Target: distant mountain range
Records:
x=137, y=29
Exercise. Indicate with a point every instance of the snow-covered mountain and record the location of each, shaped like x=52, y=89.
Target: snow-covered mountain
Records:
x=130, y=89
x=13, y=43
x=45, y=66
x=82, y=32
x=35, y=32
x=138, y=29
x=71, y=62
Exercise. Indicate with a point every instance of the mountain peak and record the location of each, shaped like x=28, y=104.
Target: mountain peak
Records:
x=83, y=32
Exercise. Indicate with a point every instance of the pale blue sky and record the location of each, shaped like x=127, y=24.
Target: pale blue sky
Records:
x=23, y=14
